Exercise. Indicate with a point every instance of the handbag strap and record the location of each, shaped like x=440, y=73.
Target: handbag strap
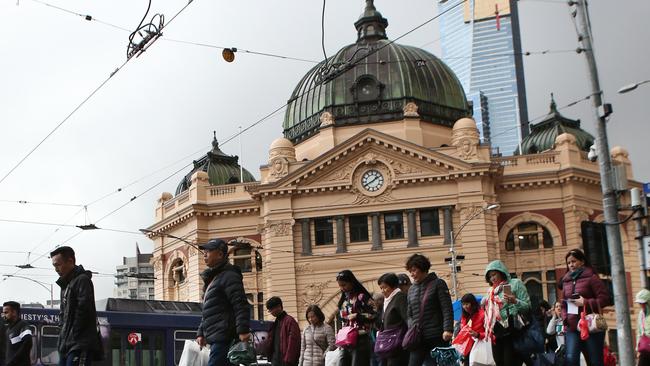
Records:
x=424, y=299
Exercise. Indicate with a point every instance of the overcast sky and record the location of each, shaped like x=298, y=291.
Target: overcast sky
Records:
x=158, y=113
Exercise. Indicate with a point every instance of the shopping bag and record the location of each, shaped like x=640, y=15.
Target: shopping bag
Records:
x=463, y=341
x=193, y=355
x=445, y=356
x=481, y=354
x=333, y=358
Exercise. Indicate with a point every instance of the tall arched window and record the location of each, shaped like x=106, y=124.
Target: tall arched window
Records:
x=528, y=236
x=244, y=256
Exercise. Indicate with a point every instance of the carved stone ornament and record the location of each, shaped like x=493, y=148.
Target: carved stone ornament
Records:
x=401, y=168
x=326, y=119
x=313, y=293
x=466, y=140
x=192, y=252
x=411, y=110
x=279, y=227
x=469, y=211
x=279, y=167
x=304, y=268
x=157, y=265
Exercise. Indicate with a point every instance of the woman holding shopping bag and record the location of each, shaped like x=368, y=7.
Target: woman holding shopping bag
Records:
x=583, y=292
x=472, y=319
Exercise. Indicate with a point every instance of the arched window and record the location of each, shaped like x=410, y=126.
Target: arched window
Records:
x=177, y=272
x=528, y=236
x=244, y=256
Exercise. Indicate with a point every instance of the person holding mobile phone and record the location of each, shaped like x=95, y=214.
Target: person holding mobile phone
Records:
x=582, y=289
x=506, y=299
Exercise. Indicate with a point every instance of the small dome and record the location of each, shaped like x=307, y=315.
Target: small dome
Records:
x=464, y=123
x=543, y=135
x=220, y=168
x=372, y=81
x=281, y=143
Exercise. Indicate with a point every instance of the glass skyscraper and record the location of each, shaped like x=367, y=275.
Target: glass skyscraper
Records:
x=484, y=50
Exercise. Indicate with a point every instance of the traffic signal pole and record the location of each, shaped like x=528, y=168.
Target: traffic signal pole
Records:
x=622, y=307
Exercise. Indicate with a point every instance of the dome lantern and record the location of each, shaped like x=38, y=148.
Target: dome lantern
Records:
x=371, y=24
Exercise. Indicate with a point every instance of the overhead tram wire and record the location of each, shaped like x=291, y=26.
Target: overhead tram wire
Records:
x=149, y=44
x=91, y=18
x=266, y=116
x=25, y=202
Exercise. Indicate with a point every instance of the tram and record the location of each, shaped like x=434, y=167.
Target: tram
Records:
x=134, y=332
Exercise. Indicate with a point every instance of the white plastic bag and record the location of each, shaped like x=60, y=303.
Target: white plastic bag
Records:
x=481, y=354
x=193, y=355
x=333, y=358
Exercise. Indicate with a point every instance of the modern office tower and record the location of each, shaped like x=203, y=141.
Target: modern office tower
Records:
x=481, y=42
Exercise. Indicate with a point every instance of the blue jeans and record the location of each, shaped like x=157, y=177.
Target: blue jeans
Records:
x=592, y=348
x=219, y=354
x=75, y=358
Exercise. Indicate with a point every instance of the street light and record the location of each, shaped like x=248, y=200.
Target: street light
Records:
x=147, y=231
x=453, y=262
x=630, y=87
x=42, y=284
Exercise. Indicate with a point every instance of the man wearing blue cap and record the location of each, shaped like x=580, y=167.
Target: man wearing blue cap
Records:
x=226, y=313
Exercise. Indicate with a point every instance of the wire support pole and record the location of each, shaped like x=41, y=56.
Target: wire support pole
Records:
x=623, y=323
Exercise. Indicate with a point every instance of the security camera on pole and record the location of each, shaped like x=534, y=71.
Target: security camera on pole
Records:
x=621, y=304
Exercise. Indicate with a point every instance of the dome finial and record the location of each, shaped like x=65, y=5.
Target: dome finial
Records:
x=215, y=143
x=371, y=24
x=553, y=105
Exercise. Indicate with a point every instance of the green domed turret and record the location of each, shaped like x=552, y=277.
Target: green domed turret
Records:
x=221, y=169
x=543, y=134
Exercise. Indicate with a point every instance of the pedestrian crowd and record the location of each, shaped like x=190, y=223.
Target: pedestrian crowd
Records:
x=410, y=322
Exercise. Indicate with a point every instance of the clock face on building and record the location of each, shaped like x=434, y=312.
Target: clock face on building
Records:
x=372, y=180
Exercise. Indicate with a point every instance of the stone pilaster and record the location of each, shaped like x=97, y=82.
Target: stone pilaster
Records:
x=412, y=228
x=340, y=235
x=448, y=224
x=376, y=231
x=306, y=237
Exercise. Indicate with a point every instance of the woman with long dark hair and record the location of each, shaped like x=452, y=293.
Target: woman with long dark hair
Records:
x=355, y=309
x=582, y=289
x=473, y=317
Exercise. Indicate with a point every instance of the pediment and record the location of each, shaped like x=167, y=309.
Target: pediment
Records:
x=370, y=148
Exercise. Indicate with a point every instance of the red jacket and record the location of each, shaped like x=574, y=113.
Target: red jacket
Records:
x=478, y=324
x=289, y=339
x=590, y=287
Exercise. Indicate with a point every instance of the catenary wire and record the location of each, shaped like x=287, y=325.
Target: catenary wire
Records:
x=86, y=99
x=25, y=202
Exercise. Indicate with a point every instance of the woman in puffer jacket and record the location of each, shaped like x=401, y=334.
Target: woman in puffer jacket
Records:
x=317, y=338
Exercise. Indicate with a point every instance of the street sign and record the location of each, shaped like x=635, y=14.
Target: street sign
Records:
x=134, y=338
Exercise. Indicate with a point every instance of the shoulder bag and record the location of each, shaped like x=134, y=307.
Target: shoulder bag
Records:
x=413, y=336
x=644, y=341
x=596, y=321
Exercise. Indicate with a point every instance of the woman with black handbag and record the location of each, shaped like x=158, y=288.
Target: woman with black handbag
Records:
x=430, y=313
x=355, y=311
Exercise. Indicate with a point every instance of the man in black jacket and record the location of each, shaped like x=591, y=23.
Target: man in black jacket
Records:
x=18, y=339
x=79, y=340
x=226, y=312
x=3, y=335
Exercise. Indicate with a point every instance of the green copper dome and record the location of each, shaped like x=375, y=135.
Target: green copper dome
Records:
x=221, y=168
x=371, y=81
x=543, y=134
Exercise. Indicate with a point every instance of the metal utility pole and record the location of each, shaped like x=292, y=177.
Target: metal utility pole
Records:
x=623, y=325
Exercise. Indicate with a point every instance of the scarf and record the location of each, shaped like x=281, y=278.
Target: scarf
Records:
x=493, y=307
x=390, y=297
